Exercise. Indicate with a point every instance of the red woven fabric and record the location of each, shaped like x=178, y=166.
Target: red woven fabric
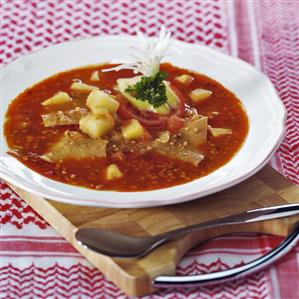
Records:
x=35, y=261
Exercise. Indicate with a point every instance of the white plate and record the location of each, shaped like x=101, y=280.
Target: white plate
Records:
x=265, y=111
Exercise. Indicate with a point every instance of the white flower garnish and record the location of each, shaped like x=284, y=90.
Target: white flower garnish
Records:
x=151, y=53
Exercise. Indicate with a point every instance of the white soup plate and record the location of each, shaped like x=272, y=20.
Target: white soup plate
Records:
x=265, y=111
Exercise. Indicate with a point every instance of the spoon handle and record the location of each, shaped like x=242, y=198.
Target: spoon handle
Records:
x=234, y=273
x=241, y=218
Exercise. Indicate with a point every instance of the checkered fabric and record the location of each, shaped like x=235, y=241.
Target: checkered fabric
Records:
x=35, y=261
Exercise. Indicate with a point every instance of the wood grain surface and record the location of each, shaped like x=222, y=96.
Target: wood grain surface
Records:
x=266, y=188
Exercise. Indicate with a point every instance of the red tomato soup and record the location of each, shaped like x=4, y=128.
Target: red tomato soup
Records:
x=105, y=142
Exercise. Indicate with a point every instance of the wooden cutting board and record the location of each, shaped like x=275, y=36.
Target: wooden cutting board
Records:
x=266, y=188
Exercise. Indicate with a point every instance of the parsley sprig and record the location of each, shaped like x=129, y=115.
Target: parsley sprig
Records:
x=150, y=89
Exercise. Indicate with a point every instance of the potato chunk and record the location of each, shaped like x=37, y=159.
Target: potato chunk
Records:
x=60, y=97
x=82, y=87
x=124, y=83
x=172, y=98
x=217, y=132
x=98, y=99
x=95, y=76
x=184, y=79
x=198, y=95
x=133, y=130
x=96, y=125
x=113, y=172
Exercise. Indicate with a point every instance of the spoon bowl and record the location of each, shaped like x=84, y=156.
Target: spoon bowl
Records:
x=115, y=244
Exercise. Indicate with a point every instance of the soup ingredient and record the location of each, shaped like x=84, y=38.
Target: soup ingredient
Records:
x=217, y=132
x=155, y=121
x=74, y=145
x=96, y=125
x=163, y=137
x=113, y=172
x=119, y=147
x=184, y=79
x=68, y=117
x=95, y=76
x=180, y=99
x=199, y=94
x=124, y=83
x=98, y=99
x=195, y=130
x=59, y=98
x=133, y=130
x=147, y=119
x=184, y=144
x=174, y=123
x=150, y=89
x=82, y=87
x=178, y=150
x=173, y=146
x=172, y=97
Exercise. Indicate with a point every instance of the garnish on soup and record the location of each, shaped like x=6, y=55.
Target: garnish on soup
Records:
x=150, y=89
x=137, y=126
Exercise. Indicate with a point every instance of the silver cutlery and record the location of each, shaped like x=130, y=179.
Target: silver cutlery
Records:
x=115, y=244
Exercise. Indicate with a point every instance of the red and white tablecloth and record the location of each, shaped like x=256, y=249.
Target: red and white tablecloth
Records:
x=35, y=261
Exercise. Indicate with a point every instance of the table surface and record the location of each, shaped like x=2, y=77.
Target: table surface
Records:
x=35, y=261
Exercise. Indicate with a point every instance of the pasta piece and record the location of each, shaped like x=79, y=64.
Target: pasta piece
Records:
x=60, y=97
x=217, y=132
x=113, y=172
x=98, y=99
x=95, y=76
x=195, y=130
x=60, y=118
x=82, y=87
x=177, y=151
x=198, y=95
x=74, y=145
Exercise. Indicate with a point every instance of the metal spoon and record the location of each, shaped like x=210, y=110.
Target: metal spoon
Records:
x=120, y=245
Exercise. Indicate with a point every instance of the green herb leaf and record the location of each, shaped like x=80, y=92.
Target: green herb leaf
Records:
x=150, y=89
